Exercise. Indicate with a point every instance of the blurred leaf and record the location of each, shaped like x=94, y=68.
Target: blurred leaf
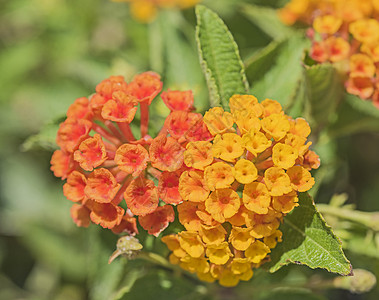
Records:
x=354, y=115
x=322, y=91
x=45, y=139
x=308, y=240
x=219, y=56
x=291, y=294
x=267, y=19
x=277, y=71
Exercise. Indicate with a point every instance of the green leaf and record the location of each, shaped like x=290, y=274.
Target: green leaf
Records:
x=308, y=240
x=45, y=139
x=276, y=71
x=219, y=57
x=291, y=294
x=267, y=20
x=354, y=115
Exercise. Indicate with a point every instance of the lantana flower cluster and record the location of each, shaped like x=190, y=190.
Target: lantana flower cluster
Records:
x=345, y=33
x=238, y=187
x=146, y=10
x=111, y=176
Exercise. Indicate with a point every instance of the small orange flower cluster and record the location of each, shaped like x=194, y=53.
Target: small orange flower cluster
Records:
x=347, y=34
x=238, y=188
x=104, y=163
x=146, y=10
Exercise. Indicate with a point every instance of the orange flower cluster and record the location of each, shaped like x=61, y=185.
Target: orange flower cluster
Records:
x=347, y=34
x=238, y=188
x=146, y=10
x=105, y=164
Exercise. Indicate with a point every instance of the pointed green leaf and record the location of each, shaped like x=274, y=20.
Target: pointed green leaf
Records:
x=267, y=20
x=219, y=58
x=45, y=139
x=308, y=240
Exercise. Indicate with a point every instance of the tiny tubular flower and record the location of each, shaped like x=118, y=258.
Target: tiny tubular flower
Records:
x=158, y=220
x=245, y=171
x=212, y=234
x=247, y=104
x=276, y=126
x=145, y=86
x=192, y=186
x=300, y=127
x=194, y=265
x=141, y=196
x=106, y=215
x=285, y=203
x=255, y=142
x=240, y=266
x=178, y=100
x=91, y=153
x=257, y=251
x=191, y=242
x=361, y=65
x=328, y=24
x=101, y=186
x=74, y=188
x=80, y=214
x=247, y=121
x=284, y=156
x=132, y=159
x=240, y=238
x=223, y=204
x=198, y=154
x=271, y=107
x=360, y=86
x=219, y=254
x=179, y=123
x=277, y=181
x=72, y=132
x=301, y=179
x=365, y=30
x=272, y=240
x=172, y=242
x=372, y=50
x=218, y=121
x=166, y=154
x=127, y=225
x=219, y=175
x=168, y=188
x=227, y=146
x=121, y=108
x=80, y=109
x=263, y=225
x=188, y=216
x=256, y=197
x=311, y=160
x=338, y=48
x=60, y=164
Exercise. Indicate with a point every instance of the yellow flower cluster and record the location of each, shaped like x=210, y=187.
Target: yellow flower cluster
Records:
x=344, y=32
x=238, y=187
x=146, y=10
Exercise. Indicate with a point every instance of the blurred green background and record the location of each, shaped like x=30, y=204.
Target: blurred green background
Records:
x=54, y=51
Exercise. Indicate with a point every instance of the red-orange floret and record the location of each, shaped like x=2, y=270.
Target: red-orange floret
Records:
x=80, y=214
x=91, y=153
x=168, y=187
x=145, y=86
x=60, y=164
x=178, y=123
x=107, y=215
x=128, y=224
x=101, y=186
x=158, y=220
x=178, y=100
x=141, y=196
x=110, y=85
x=121, y=108
x=80, y=109
x=73, y=189
x=132, y=159
x=72, y=132
x=166, y=154
x=199, y=132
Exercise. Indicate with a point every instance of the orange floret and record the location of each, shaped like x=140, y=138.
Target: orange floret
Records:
x=192, y=186
x=72, y=132
x=178, y=100
x=257, y=252
x=101, y=186
x=371, y=50
x=361, y=66
x=191, y=242
x=168, y=188
x=271, y=107
x=121, y=108
x=212, y=234
x=60, y=164
x=80, y=214
x=141, y=196
x=127, y=225
x=319, y=51
x=247, y=121
x=194, y=264
x=263, y=225
x=300, y=127
x=74, y=188
x=145, y=86
x=219, y=175
x=256, y=197
x=284, y=156
x=311, y=160
x=158, y=220
x=301, y=179
x=240, y=266
x=245, y=104
x=277, y=181
x=132, y=159
x=273, y=239
x=178, y=123
x=255, y=142
x=91, y=153
x=107, y=215
x=172, y=242
x=218, y=121
x=276, y=126
x=223, y=204
x=363, y=87
x=365, y=30
x=166, y=154
x=188, y=216
x=110, y=85
x=219, y=254
x=80, y=109
x=338, y=48
x=245, y=171
x=240, y=238
x=285, y=203
x=227, y=146
x=198, y=132
x=328, y=24
x=198, y=155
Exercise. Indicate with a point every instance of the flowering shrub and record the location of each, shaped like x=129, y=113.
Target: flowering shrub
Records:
x=345, y=33
x=105, y=164
x=239, y=187
x=146, y=10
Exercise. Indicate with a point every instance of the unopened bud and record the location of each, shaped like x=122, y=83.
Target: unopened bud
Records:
x=362, y=281
x=127, y=246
